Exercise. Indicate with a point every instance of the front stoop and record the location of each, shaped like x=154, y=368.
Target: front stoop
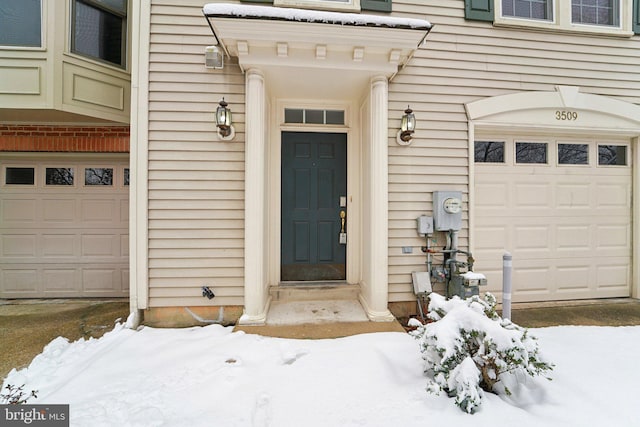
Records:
x=315, y=311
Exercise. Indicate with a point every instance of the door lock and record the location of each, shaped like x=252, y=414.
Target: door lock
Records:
x=343, y=234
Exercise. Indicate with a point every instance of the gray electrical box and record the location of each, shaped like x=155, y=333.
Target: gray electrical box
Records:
x=447, y=210
x=424, y=225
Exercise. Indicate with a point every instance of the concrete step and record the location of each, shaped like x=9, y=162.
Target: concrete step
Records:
x=314, y=291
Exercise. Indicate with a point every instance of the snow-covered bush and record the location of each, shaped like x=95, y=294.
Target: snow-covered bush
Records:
x=468, y=348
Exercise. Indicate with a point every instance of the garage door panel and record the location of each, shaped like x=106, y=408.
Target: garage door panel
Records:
x=19, y=245
x=568, y=228
x=613, y=240
x=20, y=281
x=532, y=196
x=571, y=239
x=573, y=196
x=100, y=280
x=64, y=241
x=60, y=245
x=613, y=196
x=99, y=211
x=61, y=280
x=16, y=212
x=59, y=210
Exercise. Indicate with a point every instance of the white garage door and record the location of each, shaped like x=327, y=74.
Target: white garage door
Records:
x=562, y=208
x=64, y=228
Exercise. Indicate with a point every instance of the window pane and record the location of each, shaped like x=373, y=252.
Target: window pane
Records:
x=98, y=33
x=314, y=116
x=531, y=152
x=573, y=154
x=98, y=176
x=489, y=152
x=126, y=176
x=612, y=155
x=20, y=23
x=596, y=12
x=293, y=115
x=533, y=9
x=59, y=176
x=19, y=176
x=335, y=117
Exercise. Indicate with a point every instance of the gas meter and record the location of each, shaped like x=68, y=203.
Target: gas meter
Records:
x=447, y=210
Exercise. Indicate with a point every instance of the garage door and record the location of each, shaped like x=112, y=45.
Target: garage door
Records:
x=64, y=228
x=562, y=208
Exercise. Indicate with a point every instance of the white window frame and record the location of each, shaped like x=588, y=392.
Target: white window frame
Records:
x=43, y=32
x=339, y=5
x=562, y=21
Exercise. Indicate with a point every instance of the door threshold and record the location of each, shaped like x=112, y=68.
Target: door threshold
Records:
x=315, y=283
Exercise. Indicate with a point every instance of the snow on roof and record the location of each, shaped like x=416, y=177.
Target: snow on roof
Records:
x=301, y=15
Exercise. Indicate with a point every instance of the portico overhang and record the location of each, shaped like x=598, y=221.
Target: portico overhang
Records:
x=315, y=52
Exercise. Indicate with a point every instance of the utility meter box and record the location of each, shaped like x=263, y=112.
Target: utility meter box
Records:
x=424, y=225
x=447, y=210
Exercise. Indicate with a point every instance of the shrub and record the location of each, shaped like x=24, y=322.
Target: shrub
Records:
x=16, y=395
x=469, y=349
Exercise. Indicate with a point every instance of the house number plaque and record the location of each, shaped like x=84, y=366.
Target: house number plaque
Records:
x=564, y=115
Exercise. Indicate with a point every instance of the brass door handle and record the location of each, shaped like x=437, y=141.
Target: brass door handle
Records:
x=343, y=215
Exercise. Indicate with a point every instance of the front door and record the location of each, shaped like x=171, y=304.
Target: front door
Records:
x=314, y=189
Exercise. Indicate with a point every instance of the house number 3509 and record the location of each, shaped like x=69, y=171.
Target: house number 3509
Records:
x=566, y=115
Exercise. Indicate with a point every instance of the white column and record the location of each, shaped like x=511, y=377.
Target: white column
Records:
x=255, y=295
x=377, y=298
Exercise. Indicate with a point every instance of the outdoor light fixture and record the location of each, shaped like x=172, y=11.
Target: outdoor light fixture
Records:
x=407, y=127
x=213, y=58
x=226, y=131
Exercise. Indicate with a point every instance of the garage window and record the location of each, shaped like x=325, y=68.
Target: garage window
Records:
x=98, y=176
x=573, y=154
x=612, y=155
x=126, y=176
x=531, y=152
x=489, y=152
x=19, y=176
x=59, y=176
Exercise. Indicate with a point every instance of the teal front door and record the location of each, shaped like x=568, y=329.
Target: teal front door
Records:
x=314, y=189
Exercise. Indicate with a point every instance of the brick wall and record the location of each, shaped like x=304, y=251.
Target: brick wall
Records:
x=82, y=139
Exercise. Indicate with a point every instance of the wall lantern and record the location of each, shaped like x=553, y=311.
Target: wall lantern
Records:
x=226, y=130
x=407, y=127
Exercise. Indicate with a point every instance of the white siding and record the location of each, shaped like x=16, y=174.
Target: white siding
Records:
x=196, y=183
x=464, y=61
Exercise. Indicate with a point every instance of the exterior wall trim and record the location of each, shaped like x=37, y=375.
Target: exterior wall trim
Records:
x=139, y=157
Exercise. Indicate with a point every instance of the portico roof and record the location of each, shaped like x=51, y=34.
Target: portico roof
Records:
x=344, y=48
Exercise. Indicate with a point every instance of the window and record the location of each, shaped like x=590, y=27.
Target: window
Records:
x=595, y=12
x=19, y=176
x=100, y=30
x=98, y=176
x=531, y=152
x=489, y=152
x=612, y=155
x=126, y=176
x=531, y=9
x=573, y=154
x=58, y=176
x=318, y=117
x=20, y=23
x=608, y=17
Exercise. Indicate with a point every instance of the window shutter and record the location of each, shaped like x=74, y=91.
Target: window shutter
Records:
x=636, y=16
x=479, y=10
x=377, y=5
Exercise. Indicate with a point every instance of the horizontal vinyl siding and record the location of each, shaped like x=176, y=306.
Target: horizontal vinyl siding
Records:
x=196, y=183
x=463, y=61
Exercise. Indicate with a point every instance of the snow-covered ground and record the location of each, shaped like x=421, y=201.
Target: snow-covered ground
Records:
x=209, y=376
